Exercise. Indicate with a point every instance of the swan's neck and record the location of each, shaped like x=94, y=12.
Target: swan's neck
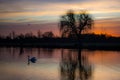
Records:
x=28, y=58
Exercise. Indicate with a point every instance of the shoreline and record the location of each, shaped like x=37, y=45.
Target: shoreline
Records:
x=91, y=46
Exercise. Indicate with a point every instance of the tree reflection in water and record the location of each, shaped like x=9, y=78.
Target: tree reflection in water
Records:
x=75, y=66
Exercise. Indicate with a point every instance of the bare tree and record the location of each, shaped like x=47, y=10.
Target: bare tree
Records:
x=13, y=34
x=39, y=34
x=74, y=24
x=29, y=35
x=48, y=34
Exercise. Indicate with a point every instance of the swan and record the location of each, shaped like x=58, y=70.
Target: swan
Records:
x=33, y=59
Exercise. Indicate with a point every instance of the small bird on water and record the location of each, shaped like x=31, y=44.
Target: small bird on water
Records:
x=33, y=59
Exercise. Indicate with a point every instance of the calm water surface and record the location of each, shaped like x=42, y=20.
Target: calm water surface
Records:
x=59, y=64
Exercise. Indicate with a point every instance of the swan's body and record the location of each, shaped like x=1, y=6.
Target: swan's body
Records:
x=33, y=59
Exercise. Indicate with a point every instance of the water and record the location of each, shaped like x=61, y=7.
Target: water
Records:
x=59, y=64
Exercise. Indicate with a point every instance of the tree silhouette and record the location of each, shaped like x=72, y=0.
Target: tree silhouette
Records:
x=48, y=34
x=13, y=34
x=39, y=34
x=72, y=24
x=29, y=35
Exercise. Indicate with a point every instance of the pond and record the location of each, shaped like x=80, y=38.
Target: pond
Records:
x=58, y=64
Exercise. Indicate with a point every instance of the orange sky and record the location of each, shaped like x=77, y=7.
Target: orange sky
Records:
x=44, y=15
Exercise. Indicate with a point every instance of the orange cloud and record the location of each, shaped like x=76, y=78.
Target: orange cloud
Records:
x=107, y=26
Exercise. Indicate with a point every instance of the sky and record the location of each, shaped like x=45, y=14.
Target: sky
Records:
x=23, y=16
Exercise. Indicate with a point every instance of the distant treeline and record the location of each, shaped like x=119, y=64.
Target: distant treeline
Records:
x=13, y=35
x=48, y=39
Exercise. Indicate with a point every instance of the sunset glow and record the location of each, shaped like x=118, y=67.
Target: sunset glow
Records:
x=44, y=15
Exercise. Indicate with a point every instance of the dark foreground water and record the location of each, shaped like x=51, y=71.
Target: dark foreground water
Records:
x=59, y=64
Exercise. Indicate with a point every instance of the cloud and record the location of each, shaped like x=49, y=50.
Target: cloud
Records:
x=43, y=5
x=16, y=14
x=50, y=10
